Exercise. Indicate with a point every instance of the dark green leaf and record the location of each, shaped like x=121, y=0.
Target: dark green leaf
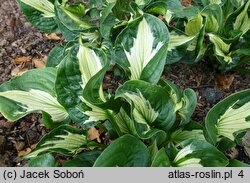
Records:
x=126, y=151
x=161, y=159
x=237, y=163
x=55, y=56
x=45, y=160
x=85, y=159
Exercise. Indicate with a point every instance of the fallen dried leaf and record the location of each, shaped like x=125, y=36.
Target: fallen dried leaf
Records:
x=52, y=36
x=18, y=71
x=33, y=146
x=94, y=134
x=19, y=60
x=24, y=152
x=40, y=63
x=224, y=81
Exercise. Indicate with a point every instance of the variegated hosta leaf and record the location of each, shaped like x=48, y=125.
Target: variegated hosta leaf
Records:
x=212, y=24
x=142, y=51
x=36, y=100
x=190, y=162
x=177, y=47
x=180, y=135
x=142, y=112
x=145, y=109
x=196, y=50
x=229, y=116
x=233, y=120
x=199, y=153
x=214, y=15
x=125, y=123
x=185, y=101
x=91, y=36
x=44, y=6
x=31, y=92
x=94, y=113
x=176, y=40
x=74, y=13
x=76, y=70
x=40, y=13
x=168, y=16
x=187, y=105
x=242, y=21
x=89, y=63
x=221, y=48
x=194, y=25
x=142, y=44
x=65, y=140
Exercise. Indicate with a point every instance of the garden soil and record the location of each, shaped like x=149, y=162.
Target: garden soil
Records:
x=23, y=47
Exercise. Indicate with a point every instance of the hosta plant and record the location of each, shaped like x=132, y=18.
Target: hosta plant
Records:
x=216, y=31
x=147, y=119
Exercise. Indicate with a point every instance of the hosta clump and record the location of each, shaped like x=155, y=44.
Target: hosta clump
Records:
x=216, y=30
x=147, y=119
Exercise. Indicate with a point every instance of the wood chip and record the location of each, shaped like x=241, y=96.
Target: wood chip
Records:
x=52, y=36
x=19, y=60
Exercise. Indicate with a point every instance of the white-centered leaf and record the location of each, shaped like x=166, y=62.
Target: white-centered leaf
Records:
x=142, y=111
x=70, y=142
x=143, y=49
x=44, y=6
x=178, y=40
x=233, y=120
x=221, y=48
x=37, y=100
x=89, y=63
x=181, y=161
x=95, y=114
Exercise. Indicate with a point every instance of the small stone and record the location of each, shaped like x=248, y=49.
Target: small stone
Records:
x=212, y=95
